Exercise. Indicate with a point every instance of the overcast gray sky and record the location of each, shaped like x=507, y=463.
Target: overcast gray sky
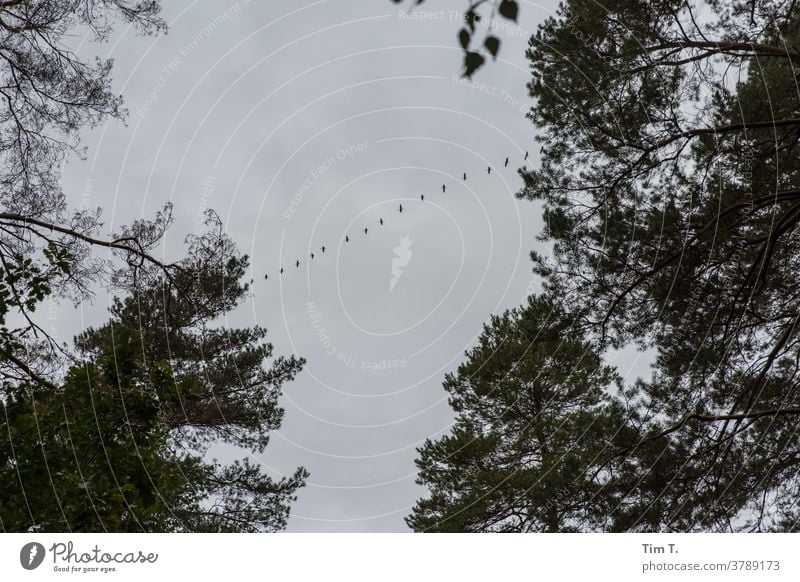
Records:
x=305, y=122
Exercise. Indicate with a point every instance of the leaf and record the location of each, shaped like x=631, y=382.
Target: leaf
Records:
x=463, y=38
x=509, y=9
x=492, y=44
x=472, y=62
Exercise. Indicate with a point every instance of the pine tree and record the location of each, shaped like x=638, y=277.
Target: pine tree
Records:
x=120, y=445
x=538, y=418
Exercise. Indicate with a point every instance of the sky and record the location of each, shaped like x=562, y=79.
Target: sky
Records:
x=302, y=123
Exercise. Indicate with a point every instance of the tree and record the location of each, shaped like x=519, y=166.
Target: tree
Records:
x=537, y=414
x=546, y=439
x=111, y=435
x=120, y=446
x=669, y=179
x=47, y=96
x=669, y=182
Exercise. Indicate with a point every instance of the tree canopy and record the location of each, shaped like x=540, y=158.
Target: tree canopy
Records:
x=668, y=180
x=534, y=419
x=121, y=444
x=668, y=177
x=113, y=434
x=49, y=95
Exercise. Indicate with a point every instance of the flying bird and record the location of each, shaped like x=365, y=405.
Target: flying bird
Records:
x=444, y=188
x=422, y=197
x=401, y=209
x=465, y=176
x=526, y=155
x=312, y=255
x=266, y=276
x=366, y=230
x=297, y=264
x=281, y=270
x=346, y=238
x=323, y=249
x=489, y=170
x=381, y=221
x=506, y=165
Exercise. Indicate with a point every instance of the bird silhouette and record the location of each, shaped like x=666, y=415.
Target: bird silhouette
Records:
x=444, y=188
x=281, y=270
x=465, y=176
x=346, y=239
x=506, y=164
x=266, y=277
x=526, y=155
x=489, y=170
x=381, y=221
x=297, y=264
x=323, y=249
x=366, y=230
x=401, y=209
x=422, y=197
x=312, y=255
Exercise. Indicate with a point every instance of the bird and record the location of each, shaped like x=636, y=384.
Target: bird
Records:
x=281, y=270
x=323, y=249
x=444, y=188
x=297, y=264
x=381, y=221
x=312, y=255
x=489, y=170
x=266, y=276
x=401, y=209
x=366, y=230
x=506, y=164
x=465, y=176
x=346, y=238
x=422, y=197
x=526, y=155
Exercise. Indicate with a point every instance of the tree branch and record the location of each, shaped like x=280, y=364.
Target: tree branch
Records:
x=112, y=244
x=752, y=415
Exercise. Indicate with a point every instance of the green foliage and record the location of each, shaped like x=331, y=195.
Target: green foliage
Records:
x=538, y=419
x=671, y=198
x=113, y=436
x=92, y=456
x=670, y=183
x=120, y=444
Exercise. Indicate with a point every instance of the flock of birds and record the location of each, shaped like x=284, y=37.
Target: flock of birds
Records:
x=400, y=209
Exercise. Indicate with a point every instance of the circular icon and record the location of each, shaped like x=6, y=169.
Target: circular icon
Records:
x=31, y=555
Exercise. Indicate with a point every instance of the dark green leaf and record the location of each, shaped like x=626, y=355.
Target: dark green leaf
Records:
x=472, y=62
x=492, y=44
x=463, y=38
x=509, y=9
